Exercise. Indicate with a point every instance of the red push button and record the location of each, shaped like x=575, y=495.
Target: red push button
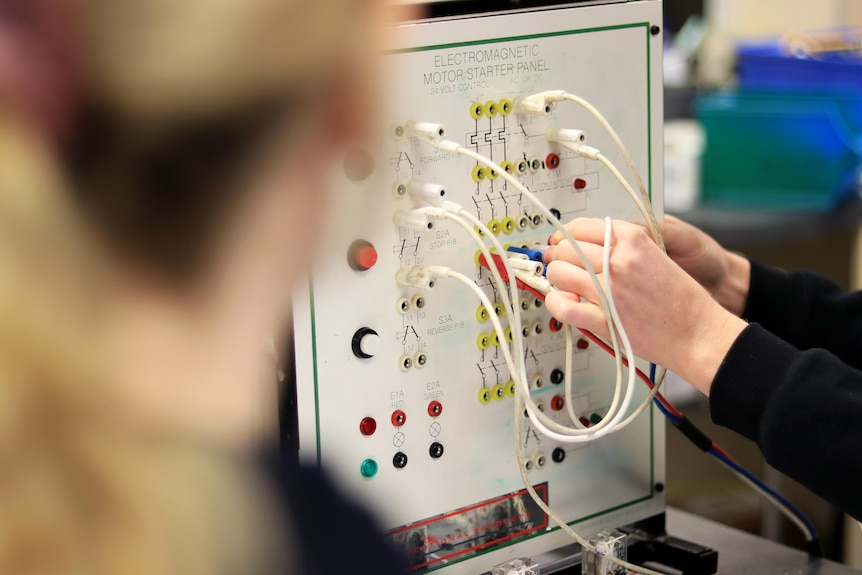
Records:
x=362, y=256
x=367, y=426
x=580, y=184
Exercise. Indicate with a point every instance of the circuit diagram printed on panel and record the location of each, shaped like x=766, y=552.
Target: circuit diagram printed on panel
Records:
x=406, y=396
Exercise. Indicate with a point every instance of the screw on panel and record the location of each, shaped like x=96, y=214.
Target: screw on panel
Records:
x=655, y=30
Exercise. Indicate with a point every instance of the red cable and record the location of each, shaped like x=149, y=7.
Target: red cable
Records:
x=599, y=342
x=594, y=338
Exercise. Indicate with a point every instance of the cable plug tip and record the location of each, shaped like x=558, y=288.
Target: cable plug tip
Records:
x=427, y=131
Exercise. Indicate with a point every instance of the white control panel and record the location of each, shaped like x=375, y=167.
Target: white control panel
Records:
x=403, y=395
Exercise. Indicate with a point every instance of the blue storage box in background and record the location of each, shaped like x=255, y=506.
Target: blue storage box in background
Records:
x=767, y=66
x=790, y=137
x=781, y=151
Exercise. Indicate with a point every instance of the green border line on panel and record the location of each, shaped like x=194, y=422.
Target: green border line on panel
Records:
x=646, y=26
x=314, y=367
x=516, y=38
x=649, y=110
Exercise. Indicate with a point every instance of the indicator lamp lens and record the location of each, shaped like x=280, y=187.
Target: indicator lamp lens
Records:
x=366, y=257
x=368, y=469
x=367, y=426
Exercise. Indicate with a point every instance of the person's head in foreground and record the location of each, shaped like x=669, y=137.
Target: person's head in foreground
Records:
x=162, y=171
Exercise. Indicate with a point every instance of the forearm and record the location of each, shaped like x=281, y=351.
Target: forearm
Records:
x=732, y=293
x=801, y=407
x=704, y=349
x=806, y=310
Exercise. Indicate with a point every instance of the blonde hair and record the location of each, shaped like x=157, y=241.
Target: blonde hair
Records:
x=79, y=493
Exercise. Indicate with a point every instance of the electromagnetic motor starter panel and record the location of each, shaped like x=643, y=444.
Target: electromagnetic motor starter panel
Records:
x=403, y=395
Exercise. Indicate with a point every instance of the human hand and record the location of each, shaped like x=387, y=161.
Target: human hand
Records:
x=670, y=319
x=725, y=275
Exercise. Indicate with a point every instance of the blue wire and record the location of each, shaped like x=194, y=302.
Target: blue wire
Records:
x=738, y=468
x=661, y=407
x=796, y=511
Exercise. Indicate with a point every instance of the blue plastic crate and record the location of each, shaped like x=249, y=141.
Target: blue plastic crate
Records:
x=767, y=66
x=781, y=151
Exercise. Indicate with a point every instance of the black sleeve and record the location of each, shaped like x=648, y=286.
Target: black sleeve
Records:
x=335, y=534
x=806, y=310
x=803, y=408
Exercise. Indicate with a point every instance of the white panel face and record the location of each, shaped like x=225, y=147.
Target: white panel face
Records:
x=435, y=71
